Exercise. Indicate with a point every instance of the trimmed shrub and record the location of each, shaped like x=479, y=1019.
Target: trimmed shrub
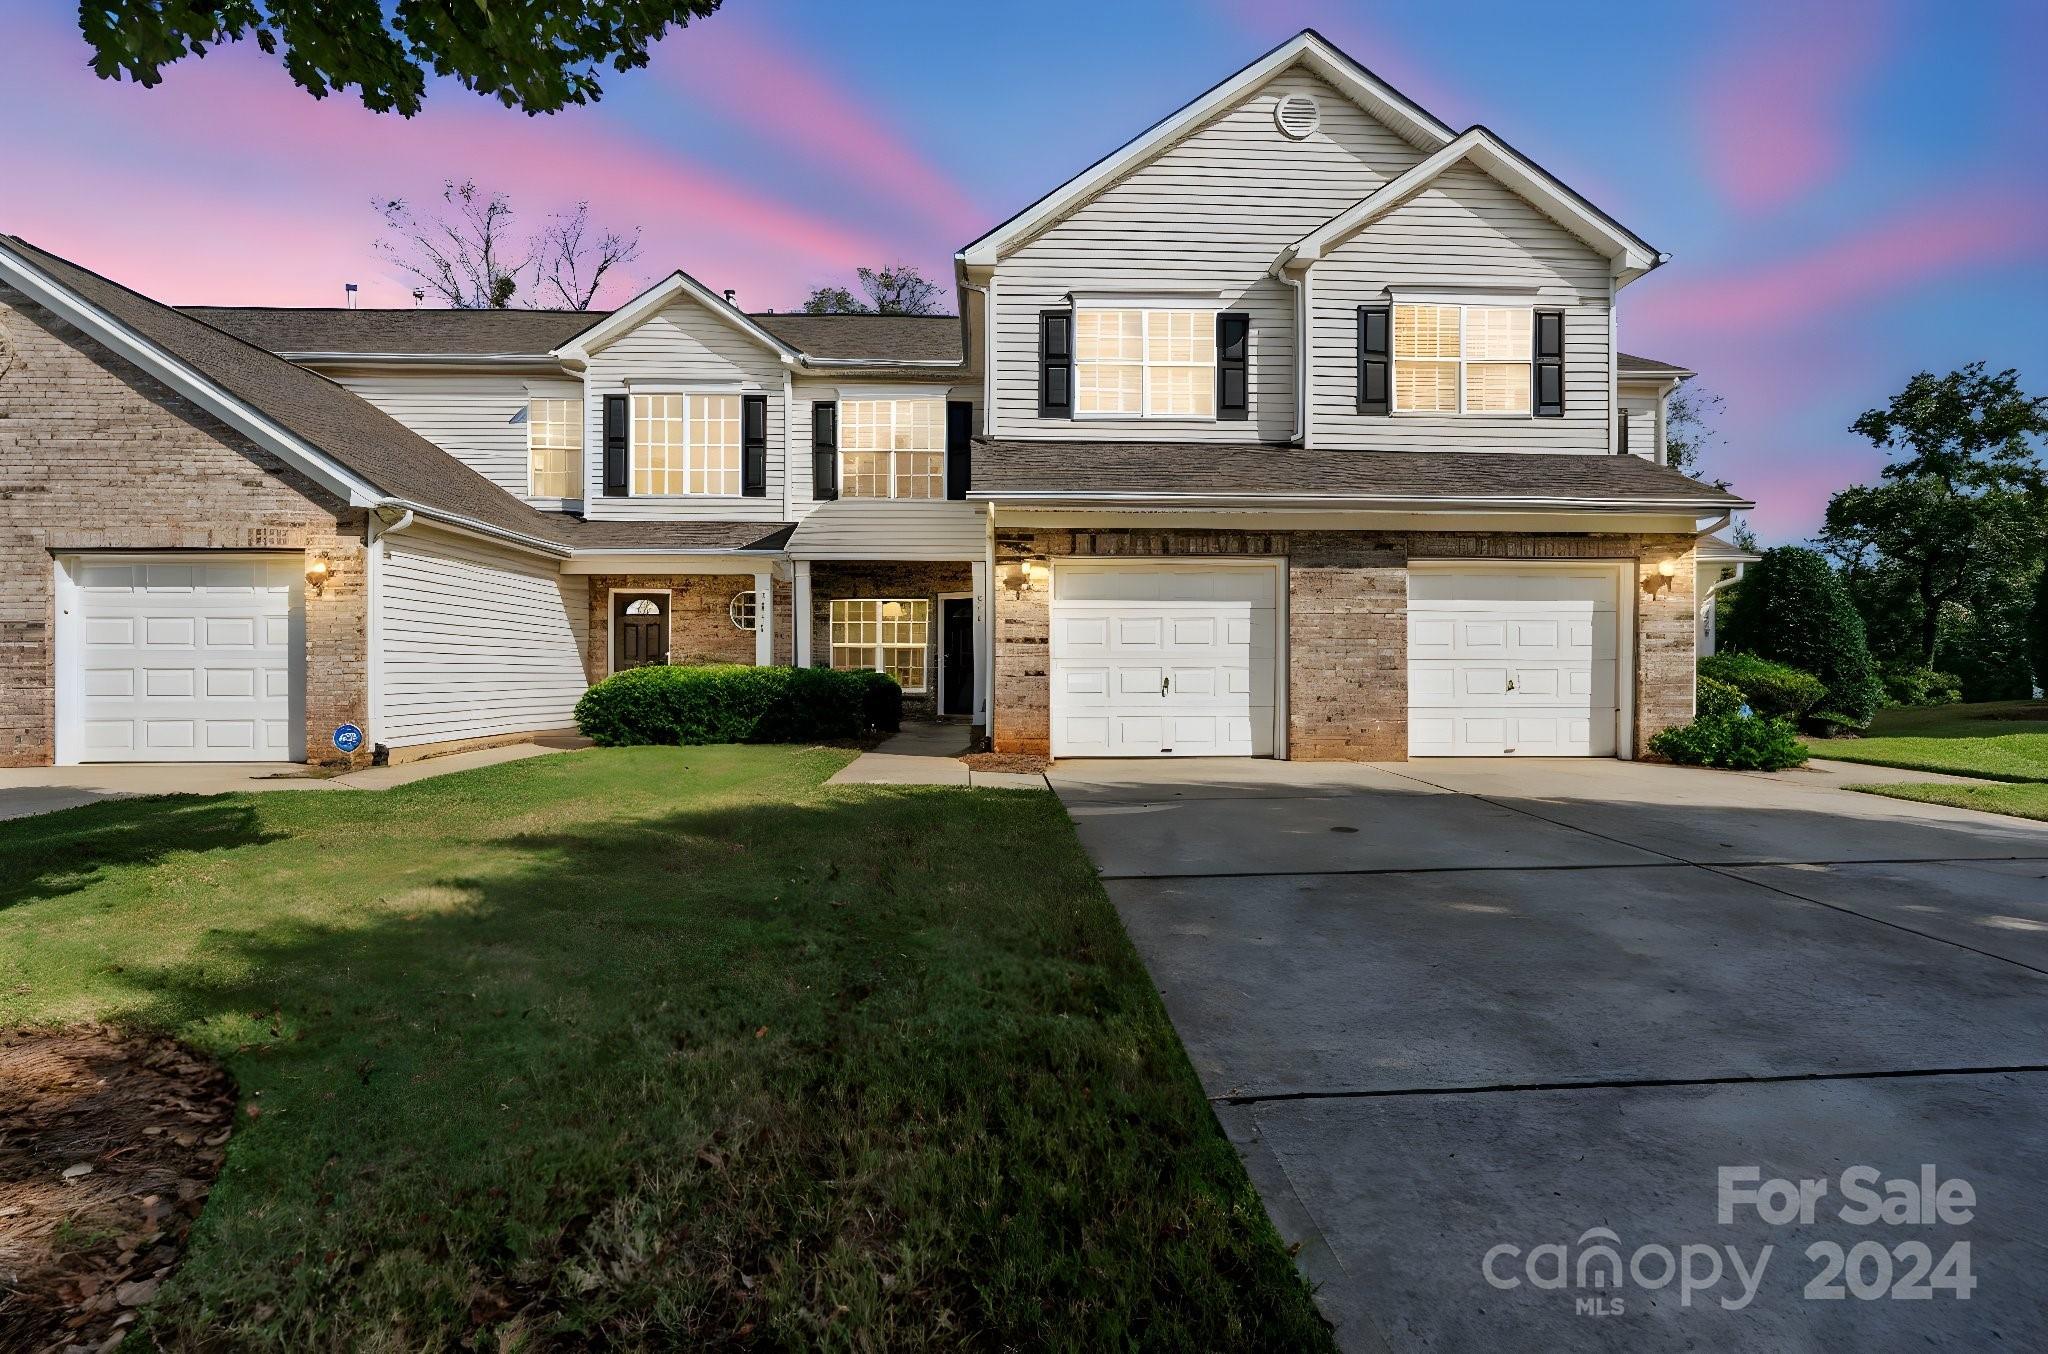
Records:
x=1912, y=687
x=881, y=701
x=1718, y=699
x=726, y=703
x=1768, y=688
x=1793, y=608
x=1737, y=742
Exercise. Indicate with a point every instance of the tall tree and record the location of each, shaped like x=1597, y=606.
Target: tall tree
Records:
x=1962, y=504
x=1692, y=419
x=537, y=57
x=899, y=289
x=469, y=258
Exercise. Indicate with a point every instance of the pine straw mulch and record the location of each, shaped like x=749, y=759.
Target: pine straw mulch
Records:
x=1005, y=761
x=108, y=1145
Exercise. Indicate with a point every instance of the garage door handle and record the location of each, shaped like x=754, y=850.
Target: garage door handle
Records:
x=1511, y=684
x=1163, y=681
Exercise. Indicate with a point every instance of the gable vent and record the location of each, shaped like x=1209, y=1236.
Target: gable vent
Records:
x=1298, y=115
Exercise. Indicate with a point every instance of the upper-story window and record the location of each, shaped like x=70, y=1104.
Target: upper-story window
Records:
x=686, y=444
x=1144, y=363
x=892, y=448
x=554, y=448
x=1453, y=359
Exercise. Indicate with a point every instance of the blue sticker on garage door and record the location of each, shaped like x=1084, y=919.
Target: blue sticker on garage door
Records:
x=347, y=737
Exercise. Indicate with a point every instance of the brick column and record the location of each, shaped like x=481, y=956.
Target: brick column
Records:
x=1667, y=637
x=1347, y=659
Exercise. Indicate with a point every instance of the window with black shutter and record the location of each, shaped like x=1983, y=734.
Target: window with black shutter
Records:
x=1621, y=431
x=1549, y=362
x=754, y=446
x=825, y=450
x=959, y=447
x=1055, y=364
x=1233, y=365
x=617, y=450
x=1375, y=350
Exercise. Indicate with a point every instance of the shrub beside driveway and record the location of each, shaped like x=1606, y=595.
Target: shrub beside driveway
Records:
x=656, y=1046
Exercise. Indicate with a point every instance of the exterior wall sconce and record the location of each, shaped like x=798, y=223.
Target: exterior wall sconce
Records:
x=1657, y=582
x=318, y=570
x=1025, y=574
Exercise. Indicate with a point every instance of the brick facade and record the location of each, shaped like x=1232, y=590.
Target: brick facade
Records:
x=97, y=455
x=700, y=628
x=886, y=579
x=1347, y=624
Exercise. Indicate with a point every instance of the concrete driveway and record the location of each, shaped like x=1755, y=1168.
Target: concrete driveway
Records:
x=1455, y=1012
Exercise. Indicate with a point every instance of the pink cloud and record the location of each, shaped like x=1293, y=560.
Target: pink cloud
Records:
x=1955, y=231
x=1771, y=109
x=820, y=120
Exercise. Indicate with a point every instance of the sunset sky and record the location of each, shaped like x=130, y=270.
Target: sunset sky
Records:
x=1850, y=192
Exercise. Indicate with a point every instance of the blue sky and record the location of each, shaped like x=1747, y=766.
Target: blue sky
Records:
x=1850, y=192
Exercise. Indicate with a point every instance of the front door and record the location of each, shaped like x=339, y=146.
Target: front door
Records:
x=957, y=660
x=639, y=630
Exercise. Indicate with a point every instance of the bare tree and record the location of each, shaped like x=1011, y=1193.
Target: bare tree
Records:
x=896, y=290
x=569, y=266
x=469, y=258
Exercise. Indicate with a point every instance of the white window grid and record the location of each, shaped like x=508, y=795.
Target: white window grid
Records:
x=892, y=448
x=887, y=634
x=686, y=444
x=554, y=448
x=1136, y=363
x=1463, y=359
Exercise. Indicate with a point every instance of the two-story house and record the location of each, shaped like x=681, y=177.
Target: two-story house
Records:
x=1295, y=427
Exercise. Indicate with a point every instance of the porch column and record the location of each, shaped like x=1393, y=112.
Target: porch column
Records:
x=982, y=652
x=800, y=609
x=764, y=618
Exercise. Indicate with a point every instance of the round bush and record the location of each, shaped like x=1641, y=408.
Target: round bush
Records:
x=1794, y=609
x=1768, y=688
x=727, y=703
x=1717, y=699
x=1737, y=742
x=1911, y=687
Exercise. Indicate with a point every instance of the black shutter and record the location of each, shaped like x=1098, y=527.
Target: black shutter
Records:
x=825, y=450
x=1621, y=431
x=615, y=446
x=754, y=446
x=1233, y=355
x=1375, y=349
x=1055, y=364
x=959, y=447
x=1550, y=364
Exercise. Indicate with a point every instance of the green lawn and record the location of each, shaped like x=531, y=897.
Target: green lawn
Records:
x=1993, y=740
x=2020, y=801
x=656, y=1047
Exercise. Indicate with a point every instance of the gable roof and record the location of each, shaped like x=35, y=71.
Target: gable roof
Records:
x=1631, y=255
x=677, y=285
x=1406, y=118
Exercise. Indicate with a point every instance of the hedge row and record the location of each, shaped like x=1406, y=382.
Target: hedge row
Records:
x=730, y=703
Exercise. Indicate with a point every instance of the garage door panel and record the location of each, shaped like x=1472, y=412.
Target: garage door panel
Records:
x=185, y=659
x=1151, y=660
x=1512, y=662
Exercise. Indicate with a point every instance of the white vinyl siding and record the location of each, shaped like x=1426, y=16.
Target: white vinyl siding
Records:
x=1211, y=212
x=1641, y=414
x=479, y=420
x=686, y=346
x=1468, y=233
x=474, y=641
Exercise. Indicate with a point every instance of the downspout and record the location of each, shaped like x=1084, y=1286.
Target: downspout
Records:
x=1299, y=436
x=988, y=574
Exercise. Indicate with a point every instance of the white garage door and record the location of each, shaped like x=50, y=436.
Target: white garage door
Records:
x=182, y=658
x=1162, y=660
x=1511, y=662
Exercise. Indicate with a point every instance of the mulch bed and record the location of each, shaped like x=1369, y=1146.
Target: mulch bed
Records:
x=108, y=1146
x=1005, y=761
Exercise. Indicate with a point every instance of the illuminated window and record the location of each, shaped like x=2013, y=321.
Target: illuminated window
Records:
x=686, y=444
x=890, y=635
x=1462, y=359
x=1145, y=363
x=892, y=449
x=554, y=448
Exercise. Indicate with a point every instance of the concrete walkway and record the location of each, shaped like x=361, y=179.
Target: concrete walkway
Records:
x=926, y=753
x=26, y=791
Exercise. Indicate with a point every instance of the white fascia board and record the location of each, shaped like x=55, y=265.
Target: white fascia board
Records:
x=1320, y=502
x=1308, y=47
x=652, y=302
x=237, y=413
x=459, y=361
x=1628, y=252
x=469, y=526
